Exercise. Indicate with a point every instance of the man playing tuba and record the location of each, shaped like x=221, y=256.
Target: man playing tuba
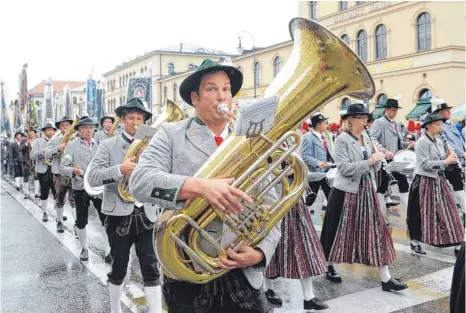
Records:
x=127, y=223
x=164, y=175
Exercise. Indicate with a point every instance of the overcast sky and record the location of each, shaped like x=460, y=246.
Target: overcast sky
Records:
x=65, y=41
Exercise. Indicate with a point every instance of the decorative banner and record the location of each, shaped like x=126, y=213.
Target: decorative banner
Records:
x=91, y=95
x=33, y=121
x=18, y=120
x=48, y=102
x=23, y=89
x=100, y=100
x=40, y=116
x=5, y=127
x=140, y=86
x=67, y=94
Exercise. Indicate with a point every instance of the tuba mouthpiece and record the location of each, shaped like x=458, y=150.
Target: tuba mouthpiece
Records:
x=223, y=108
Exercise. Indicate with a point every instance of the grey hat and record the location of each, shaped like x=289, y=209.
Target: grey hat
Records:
x=48, y=125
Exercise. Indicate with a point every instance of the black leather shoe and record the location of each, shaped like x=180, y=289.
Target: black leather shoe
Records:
x=392, y=203
x=332, y=275
x=45, y=217
x=394, y=285
x=314, y=304
x=60, y=228
x=84, y=255
x=273, y=298
x=417, y=248
x=108, y=258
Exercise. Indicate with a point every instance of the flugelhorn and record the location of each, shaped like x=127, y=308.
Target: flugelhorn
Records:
x=172, y=113
x=321, y=67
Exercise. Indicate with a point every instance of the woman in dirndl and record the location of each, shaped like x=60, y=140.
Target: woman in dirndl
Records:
x=354, y=229
x=432, y=214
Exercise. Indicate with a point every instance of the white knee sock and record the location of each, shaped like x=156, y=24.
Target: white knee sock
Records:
x=82, y=235
x=115, y=297
x=44, y=205
x=404, y=202
x=59, y=214
x=106, y=244
x=459, y=195
x=384, y=273
x=325, y=202
x=18, y=181
x=308, y=291
x=154, y=298
x=25, y=188
x=268, y=284
x=415, y=242
x=36, y=187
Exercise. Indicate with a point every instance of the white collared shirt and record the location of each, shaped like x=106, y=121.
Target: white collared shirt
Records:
x=319, y=135
x=223, y=134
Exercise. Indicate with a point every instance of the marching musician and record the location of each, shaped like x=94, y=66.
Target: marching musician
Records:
x=317, y=151
x=77, y=156
x=44, y=172
x=106, y=123
x=432, y=213
x=54, y=152
x=387, y=132
x=15, y=159
x=164, y=175
x=127, y=223
x=354, y=230
x=454, y=138
x=28, y=173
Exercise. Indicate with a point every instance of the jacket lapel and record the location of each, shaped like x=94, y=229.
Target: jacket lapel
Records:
x=200, y=137
x=124, y=143
x=390, y=126
x=318, y=141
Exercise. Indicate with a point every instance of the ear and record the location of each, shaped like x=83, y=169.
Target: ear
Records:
x=194, y=98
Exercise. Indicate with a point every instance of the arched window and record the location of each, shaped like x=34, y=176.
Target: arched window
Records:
x=362, y=45
x=175, y=91
x=343, y=5
x=121, y=100
x=75, y=100
x=359, y=2
x=381, y=99
x=142, y=70
x=425, y=94
x=424, y=37
x=120, y=81
x=345, y=103
x=165, y=92
x=171, y=69
x=257, y=73
x=277, y=65
x=381, y=42
x=345, y=38
x=313, y=10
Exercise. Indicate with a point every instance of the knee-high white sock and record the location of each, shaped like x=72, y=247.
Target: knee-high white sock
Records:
x=18, y=181
x=459, y=195
x=308, y=291
x=268, y=283
x=154, y=298
x=404, y=201
x=384, y=273
x=415, y=242
x=36, y=186
x=325, y=202
x=25, y=188
x=115, y=297
x=44, y=204
x=106, y=243
x=82, y=235
x=59, y=214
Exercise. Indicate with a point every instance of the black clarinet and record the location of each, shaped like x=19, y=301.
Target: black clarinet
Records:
x=452, y=150
x=378, y=148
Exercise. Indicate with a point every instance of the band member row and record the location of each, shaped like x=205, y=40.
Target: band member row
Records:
x=54, y=152
x=77, y=156
x=387, y=132
x=451, y=134
x=432, y=213
x=15, y=159
x=354, y=230
x=127, y=222
x=164, y=175
x=44, y=171
x=27, y=164
x=317, y=151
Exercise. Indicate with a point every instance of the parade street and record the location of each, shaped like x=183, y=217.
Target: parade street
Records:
x=41, y=271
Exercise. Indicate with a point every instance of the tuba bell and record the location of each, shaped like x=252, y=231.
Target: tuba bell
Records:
x=172, y=113
x=321, y=67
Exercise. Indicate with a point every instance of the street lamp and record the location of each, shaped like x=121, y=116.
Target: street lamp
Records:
x=240, y=50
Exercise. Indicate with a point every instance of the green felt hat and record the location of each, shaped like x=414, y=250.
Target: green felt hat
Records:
x=134, y=103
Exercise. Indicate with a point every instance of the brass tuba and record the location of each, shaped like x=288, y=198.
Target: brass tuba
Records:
x=67, y=137
x=320, y=68
x=172, y=113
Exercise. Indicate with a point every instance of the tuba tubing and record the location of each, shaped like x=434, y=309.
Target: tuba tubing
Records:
x=321, y=67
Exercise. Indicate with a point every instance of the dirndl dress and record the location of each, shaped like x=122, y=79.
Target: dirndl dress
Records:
x=433, y=217
x=354, y=229
x=299, y=253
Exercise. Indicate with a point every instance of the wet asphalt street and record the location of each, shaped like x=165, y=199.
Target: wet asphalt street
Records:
x=41, y=271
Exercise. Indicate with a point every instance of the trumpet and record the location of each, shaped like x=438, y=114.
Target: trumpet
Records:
x=379, y=148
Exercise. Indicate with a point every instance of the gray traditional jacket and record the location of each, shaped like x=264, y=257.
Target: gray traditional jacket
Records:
x=430, y=156
x=51, y=152
x=175, y=153
x=81, y=154
x=350, y=161
x=38, y=154
x=100, y=136
x=312, y=151
x=384, y=131
x=105, y=170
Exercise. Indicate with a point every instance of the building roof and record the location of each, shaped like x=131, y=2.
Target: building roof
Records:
x=188, y=48
x=57, y=86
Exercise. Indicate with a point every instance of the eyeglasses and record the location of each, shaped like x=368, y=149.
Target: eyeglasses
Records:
x=361, y=117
